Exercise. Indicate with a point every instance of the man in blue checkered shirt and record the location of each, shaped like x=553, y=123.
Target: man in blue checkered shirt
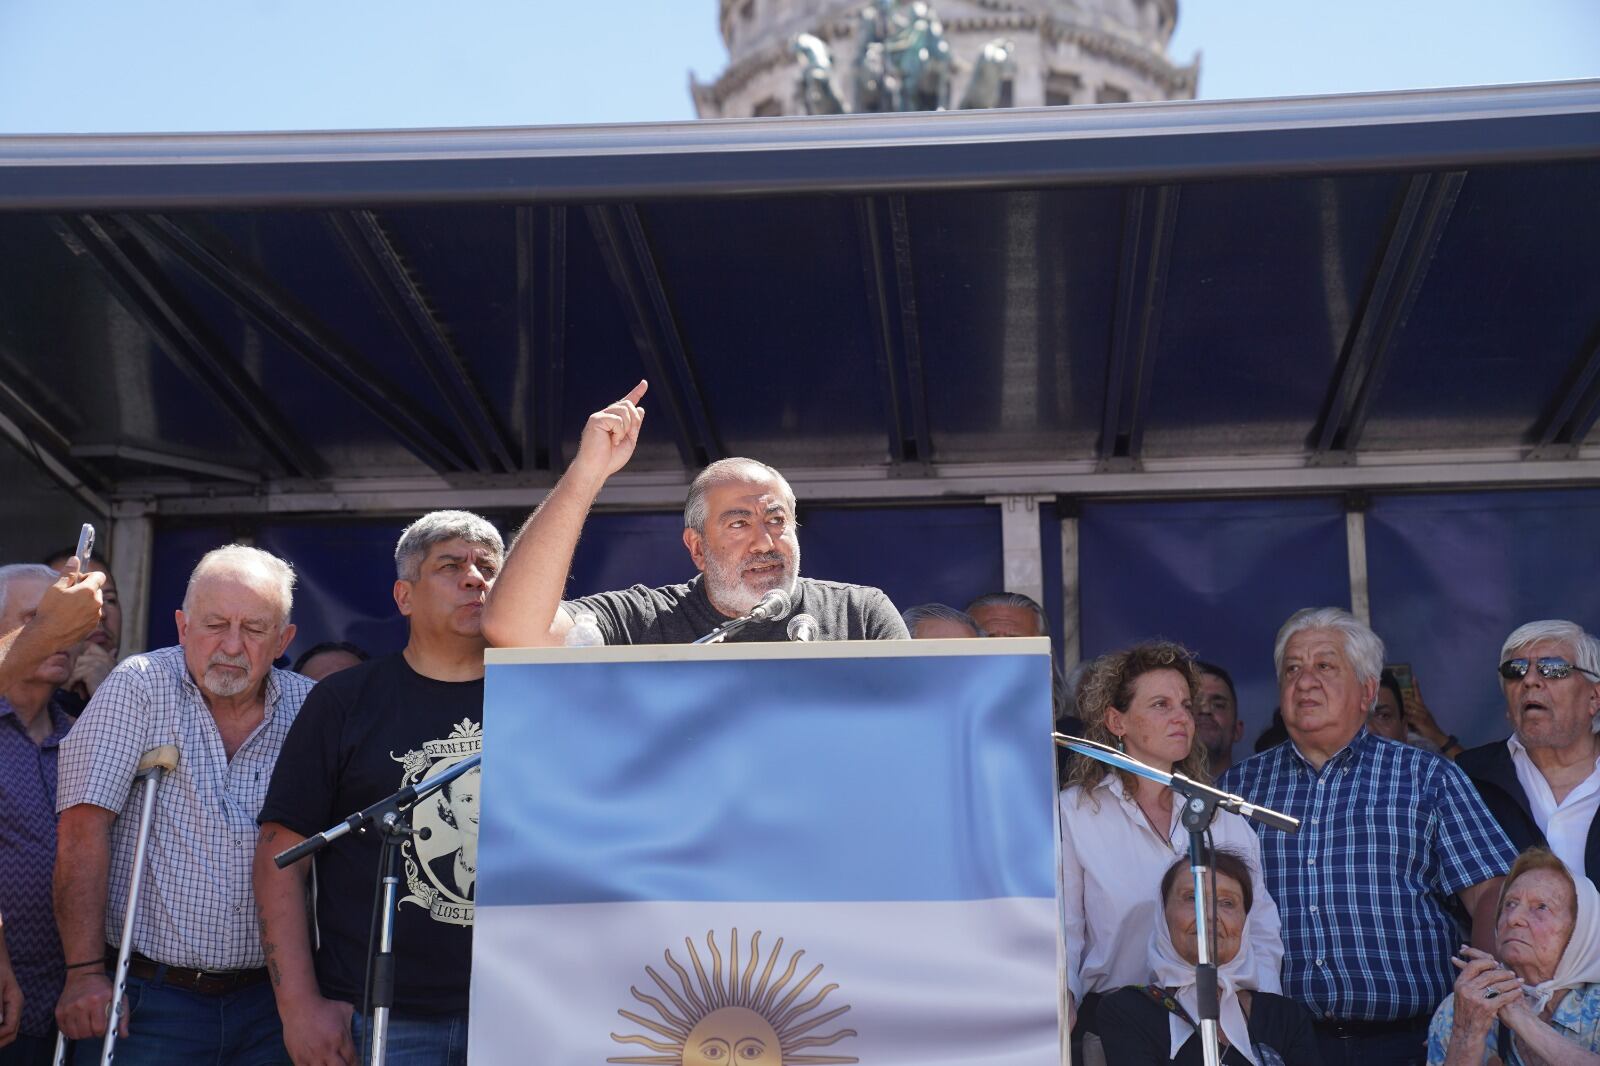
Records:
x=1391, y=838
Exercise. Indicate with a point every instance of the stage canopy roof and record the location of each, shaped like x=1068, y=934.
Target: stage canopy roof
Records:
x=1195, y=297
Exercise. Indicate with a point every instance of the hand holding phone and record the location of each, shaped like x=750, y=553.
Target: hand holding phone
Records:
x=85, y=549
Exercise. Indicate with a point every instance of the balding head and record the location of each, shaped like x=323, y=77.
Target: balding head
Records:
x=261, y=570
x=235, y=620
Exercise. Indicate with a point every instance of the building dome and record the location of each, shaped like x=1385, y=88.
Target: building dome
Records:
x=1066, y=51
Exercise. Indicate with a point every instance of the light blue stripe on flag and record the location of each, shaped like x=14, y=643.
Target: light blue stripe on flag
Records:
x=823, y=779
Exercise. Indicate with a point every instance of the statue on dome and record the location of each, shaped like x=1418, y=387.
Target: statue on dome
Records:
x=903, y=63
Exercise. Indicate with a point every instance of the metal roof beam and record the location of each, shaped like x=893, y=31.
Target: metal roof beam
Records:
x=1418, y=225
x=249, y=290
x=387, y=277
x=946, y=482
x=1575, y=409
x=890, y=285
x=905, y=286
x=168, y=460
x=1166, y=142
x=1150, y=217
x=178, y=329
x=33, y=435
x=541, y=240
x=880, y=301
x=619, y=231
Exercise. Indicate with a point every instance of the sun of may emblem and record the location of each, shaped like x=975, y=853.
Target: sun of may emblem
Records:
x=731, y=1019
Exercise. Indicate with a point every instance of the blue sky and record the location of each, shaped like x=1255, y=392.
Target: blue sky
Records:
x=187, y=65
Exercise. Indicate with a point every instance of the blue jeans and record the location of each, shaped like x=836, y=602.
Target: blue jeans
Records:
x=417, y=1039
x=168, y=1025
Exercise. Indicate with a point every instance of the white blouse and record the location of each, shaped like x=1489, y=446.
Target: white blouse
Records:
x=1111, y=867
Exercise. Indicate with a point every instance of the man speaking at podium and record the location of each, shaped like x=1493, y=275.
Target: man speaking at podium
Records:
x=739, y=528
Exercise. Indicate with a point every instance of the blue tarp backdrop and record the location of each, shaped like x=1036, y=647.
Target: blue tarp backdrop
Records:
x=1219, y=576
x=1450, y=575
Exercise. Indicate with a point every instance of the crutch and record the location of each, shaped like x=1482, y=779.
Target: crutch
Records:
x=156, y=762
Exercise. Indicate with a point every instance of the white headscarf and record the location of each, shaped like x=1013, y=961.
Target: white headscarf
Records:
x=1173, y=972
x=1580, y=959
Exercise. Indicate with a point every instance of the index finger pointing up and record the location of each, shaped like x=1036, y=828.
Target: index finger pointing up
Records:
x=637, y=393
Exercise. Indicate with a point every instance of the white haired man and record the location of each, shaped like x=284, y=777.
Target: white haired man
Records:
x=1009, y=614
x=33, y=719
x=739, y=528
x=367, y=732
x=936, y=621
x=1542, y=783
x=1387, y=833
x=198, y=980
x=69, y=611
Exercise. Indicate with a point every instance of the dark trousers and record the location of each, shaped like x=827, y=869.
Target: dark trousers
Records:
x=1406, y=1046
x=29, y=1051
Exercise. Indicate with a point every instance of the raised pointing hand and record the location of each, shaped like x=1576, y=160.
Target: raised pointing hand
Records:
x=610, y=435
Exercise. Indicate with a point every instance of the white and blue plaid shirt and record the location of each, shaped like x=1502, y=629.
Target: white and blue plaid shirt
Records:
x=197, y=905
x=1388, y=832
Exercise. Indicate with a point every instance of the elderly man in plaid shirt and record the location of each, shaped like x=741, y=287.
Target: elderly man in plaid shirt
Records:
x=197, y=990
x=1389, y=833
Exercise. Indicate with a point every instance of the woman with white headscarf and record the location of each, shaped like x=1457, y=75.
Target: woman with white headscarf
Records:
x=1539, y=1002
x=1119, y=831
x=1158, y=1022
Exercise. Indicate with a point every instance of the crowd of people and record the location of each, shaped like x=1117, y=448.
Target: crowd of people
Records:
x=1428, y=910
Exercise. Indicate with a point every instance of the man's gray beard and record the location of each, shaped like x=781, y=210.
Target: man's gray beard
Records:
x=223, y=684
x=728, y=592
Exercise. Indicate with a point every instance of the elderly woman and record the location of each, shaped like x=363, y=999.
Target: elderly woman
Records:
x=1540, y=1001
x=1119, y=832
x=1157, y=1023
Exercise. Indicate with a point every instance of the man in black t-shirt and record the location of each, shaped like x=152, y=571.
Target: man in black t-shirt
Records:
x=739, y=528
x=363, y=734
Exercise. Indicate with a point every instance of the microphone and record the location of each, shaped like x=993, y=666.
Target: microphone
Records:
x=774, y=607
x=803, y=627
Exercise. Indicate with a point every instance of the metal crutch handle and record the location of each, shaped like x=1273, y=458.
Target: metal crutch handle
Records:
x=156, y=762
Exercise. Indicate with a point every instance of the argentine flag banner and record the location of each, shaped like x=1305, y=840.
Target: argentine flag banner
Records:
x=768, y=855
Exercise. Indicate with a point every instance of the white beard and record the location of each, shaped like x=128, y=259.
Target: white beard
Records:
x=225, y=684
x=731, y=592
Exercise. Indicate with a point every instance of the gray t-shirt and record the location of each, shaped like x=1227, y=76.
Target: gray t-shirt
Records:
x=681, y=614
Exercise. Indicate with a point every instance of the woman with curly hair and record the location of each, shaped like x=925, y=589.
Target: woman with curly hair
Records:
x=1119, y=832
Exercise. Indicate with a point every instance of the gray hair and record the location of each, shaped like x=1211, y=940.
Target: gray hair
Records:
x=1013, y=599
x=1362, y=646
x=436, y=527
x=1585, y=648
x=8, y=574
x=241, y=560
x=728, y=471
x=925, y=612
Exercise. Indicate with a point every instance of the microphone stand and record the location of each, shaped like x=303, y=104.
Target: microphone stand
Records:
x=770, y=609
x=388, y=817
x=1199, y=808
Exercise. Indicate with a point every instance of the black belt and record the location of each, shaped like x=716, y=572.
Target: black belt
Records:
x=1356, y=1028
x=200, y=982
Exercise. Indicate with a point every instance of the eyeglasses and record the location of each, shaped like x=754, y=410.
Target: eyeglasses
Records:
x=1550, y=667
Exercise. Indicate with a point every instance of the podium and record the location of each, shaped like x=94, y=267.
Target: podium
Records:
x=768, y=854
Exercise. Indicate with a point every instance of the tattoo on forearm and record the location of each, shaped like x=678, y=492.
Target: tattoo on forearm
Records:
x=270, y=951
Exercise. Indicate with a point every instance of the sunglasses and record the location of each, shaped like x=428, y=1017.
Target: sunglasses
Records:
x=1550, y=667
